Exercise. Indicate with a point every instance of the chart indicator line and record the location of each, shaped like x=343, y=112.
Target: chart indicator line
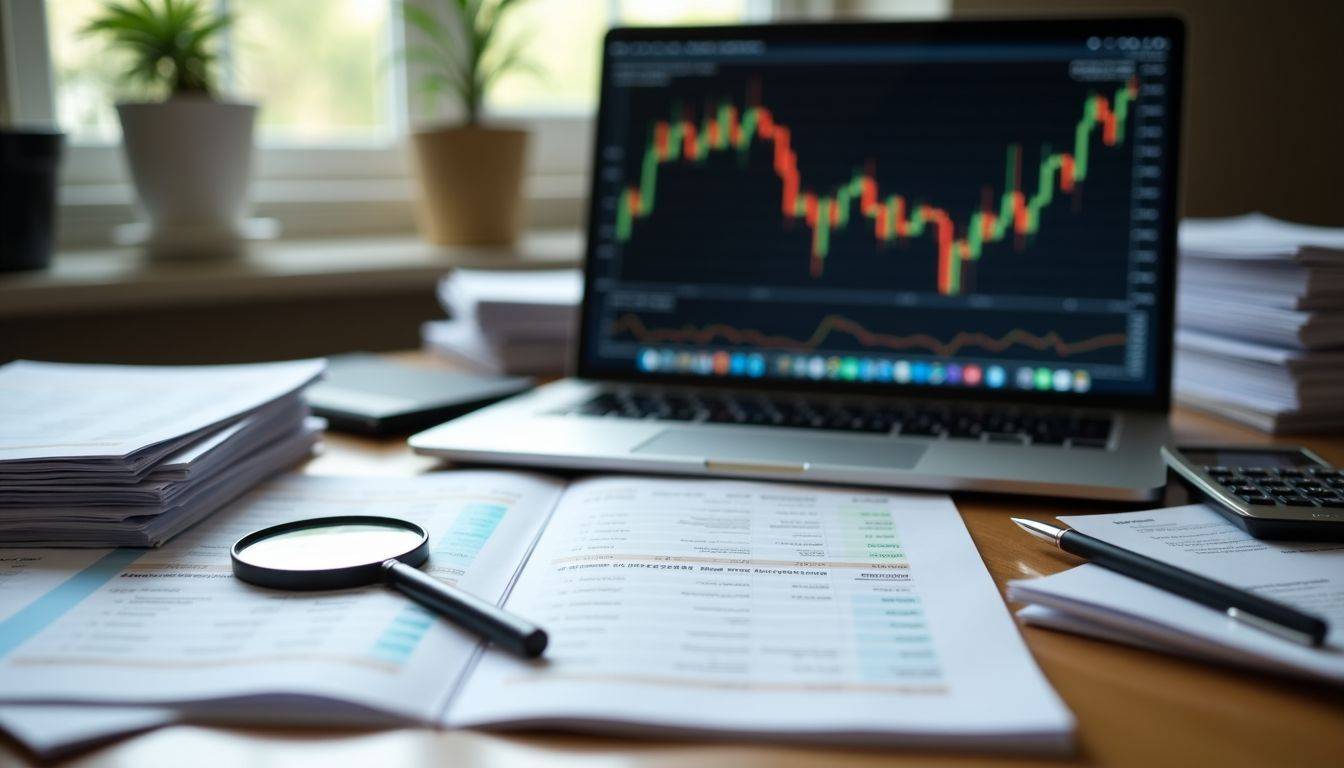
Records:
x=832, y=324
x=892, y=217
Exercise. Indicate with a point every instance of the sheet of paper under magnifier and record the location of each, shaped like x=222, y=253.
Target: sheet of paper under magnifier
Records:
x=173, y=625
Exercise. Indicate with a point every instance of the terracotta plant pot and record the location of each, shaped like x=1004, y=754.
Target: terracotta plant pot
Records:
x=471, y=184
x=190, y=159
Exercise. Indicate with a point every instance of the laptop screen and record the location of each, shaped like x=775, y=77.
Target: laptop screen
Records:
x=974, y=208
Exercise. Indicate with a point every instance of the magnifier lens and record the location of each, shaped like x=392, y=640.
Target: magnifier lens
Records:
x=354, y=551
x=330, y=546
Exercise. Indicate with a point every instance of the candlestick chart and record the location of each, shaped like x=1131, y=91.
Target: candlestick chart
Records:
x=859, y=201
x=960, y=202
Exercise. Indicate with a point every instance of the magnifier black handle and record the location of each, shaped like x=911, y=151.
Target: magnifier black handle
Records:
x=466, y=610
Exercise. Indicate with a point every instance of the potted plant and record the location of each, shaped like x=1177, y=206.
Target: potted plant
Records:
x=189, y=153
x=471, y=175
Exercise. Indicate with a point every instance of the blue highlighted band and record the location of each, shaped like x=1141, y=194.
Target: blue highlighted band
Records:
x=43, y=612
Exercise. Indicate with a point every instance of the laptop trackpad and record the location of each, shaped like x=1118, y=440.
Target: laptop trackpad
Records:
x=791, y=449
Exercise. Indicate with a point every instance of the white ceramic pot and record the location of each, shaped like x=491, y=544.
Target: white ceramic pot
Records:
x=190, y=158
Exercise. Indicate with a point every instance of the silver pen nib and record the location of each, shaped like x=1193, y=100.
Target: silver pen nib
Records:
x=1044, y=531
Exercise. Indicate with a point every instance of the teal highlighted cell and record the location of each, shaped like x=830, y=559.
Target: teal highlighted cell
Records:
x=879, y=639
x=393, y=651
x=886, y=599
x=393, y=635
x=474, y=526
x=419, y=621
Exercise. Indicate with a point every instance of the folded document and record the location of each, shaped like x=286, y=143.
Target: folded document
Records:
x=1094, y=601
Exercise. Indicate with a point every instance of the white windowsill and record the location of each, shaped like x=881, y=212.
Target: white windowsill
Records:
x=113, y=278
x=309, y=209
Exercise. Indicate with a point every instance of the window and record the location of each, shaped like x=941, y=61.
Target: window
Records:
x=568, y=54
x=335, y=104
x=321, y=71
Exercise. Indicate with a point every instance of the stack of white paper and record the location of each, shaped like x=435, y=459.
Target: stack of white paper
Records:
x=1093, y=601
x=1260, y=313
x=508, y=322
x=108, y=455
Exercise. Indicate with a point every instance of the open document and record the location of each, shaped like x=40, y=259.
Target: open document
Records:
x=1091, y=600
x=752, y=608
x=173, y=625
x=672, y=605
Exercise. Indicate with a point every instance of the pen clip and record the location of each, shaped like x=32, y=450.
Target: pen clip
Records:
x=1265, y=625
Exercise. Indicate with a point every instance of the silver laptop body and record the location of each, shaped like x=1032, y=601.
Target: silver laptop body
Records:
x=1042, y=366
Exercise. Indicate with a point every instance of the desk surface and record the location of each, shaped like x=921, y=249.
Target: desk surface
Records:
x=1133, y=707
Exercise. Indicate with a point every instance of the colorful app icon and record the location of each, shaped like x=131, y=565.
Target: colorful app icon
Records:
x=737, y=364
x=1063, y=380
x=995, y=376
x=867, y=369
x=1043, y=378
x=919, y=373
x=833, y=367
x=901, y=371
x=816, y=367
x=1082, y=381
x=849, y=369
x=722, y=363
x=971, y=375
x=953, y=373
x=937, y=374
x=1026, y=377
x=884, y=370
x=648, y=360
x=755, y=365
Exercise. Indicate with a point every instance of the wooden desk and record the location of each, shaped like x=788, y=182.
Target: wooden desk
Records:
x=1133, y=707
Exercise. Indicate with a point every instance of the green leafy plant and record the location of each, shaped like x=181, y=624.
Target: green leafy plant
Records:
x=461, y=54
x=170, y=42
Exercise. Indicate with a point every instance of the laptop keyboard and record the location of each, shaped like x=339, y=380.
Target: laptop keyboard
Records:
x=981, y=422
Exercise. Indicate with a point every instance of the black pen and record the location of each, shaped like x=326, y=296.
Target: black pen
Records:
x=1249, y=608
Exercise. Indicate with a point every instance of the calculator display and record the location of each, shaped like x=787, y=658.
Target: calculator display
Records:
x=1267, y=459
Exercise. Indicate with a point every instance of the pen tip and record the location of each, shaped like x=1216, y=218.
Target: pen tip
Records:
x=1043, y=531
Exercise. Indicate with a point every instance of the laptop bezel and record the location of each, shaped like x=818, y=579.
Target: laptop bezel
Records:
x=1000, y=30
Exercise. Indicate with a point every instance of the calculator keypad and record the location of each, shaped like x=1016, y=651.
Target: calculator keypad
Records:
x=1262, y=486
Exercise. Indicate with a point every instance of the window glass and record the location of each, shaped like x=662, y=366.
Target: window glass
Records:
x=86, y=74
x=323, y=71
x=563, y=39
x=320, y=70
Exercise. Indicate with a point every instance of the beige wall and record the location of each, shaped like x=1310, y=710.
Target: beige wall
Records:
x=1264, y=100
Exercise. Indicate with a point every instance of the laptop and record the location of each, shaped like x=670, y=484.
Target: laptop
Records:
x=927, y=255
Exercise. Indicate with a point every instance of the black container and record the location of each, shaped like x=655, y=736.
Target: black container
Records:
x=28, y=163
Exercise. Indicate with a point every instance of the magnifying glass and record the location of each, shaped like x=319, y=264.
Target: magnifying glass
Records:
x=355, y=550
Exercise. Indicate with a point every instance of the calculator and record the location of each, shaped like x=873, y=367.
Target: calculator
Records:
x=1272, y=492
